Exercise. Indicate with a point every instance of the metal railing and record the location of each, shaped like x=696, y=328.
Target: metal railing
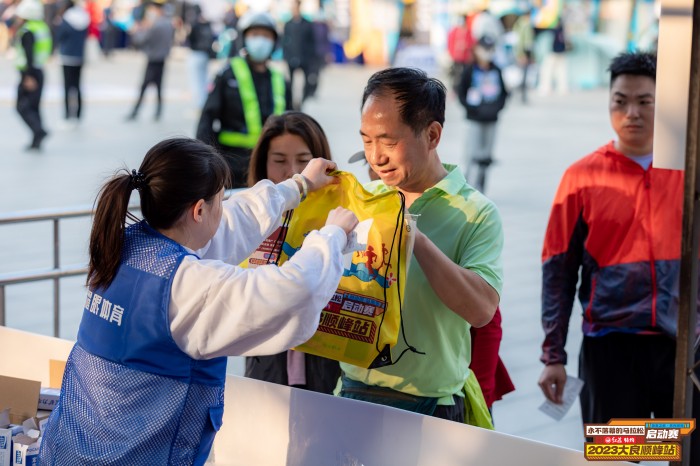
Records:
x=54, y=273
x=57, y=272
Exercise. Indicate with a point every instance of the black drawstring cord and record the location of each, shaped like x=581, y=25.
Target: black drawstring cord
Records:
x=281, y=237
x=400, y=219
x=409, y=347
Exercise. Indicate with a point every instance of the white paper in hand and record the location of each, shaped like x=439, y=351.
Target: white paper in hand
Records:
x=572, y=388
x=357, y=241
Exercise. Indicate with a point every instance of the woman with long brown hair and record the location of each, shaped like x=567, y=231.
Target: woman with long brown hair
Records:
x=286, y=146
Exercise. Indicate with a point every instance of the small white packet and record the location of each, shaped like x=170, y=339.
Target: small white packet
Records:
x=572, y=388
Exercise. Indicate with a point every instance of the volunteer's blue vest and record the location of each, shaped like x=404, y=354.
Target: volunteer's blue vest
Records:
x=130, y=396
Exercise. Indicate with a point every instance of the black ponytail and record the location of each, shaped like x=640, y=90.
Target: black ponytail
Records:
x=174, y=174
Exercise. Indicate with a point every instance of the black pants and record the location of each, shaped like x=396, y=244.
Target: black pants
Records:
x=631, y=376
x=310, y=82
x=321, y=373
x=28, y=105
x=109, y=37
x=454, y=412
x=153, y=75
x=71, y=86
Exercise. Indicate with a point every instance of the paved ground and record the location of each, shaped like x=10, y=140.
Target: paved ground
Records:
x=535, y=144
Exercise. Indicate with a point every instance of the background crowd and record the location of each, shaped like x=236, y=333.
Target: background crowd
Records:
x=240, y=99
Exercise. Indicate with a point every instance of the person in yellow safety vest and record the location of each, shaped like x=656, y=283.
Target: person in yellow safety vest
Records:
x=243, y=95
x=33, y=48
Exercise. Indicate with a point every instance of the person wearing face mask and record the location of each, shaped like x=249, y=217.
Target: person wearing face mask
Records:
x=287, y=144
x=482, y=93
x=243, y=95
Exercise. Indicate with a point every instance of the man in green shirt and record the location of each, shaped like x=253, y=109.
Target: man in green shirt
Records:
x=455, y=276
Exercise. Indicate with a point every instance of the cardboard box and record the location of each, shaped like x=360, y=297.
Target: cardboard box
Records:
x=25, y=450
x=48, y=397
x=4, y=417
x=20, y=440
x=42, y=424
x=15, y=429
x=56, y=369
x=21, y=396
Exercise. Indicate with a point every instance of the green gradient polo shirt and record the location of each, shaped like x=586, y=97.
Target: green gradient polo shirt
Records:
x=465, y=226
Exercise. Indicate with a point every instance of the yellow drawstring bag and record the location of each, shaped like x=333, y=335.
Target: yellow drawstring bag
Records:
x=361, y=322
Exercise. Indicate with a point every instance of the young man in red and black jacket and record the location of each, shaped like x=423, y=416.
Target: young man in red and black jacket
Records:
x=617, y=221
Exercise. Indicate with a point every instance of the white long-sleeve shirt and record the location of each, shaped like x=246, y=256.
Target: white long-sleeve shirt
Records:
x=220, y=309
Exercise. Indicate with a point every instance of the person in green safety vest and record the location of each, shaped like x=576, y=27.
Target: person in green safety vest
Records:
x=243, y=95
x=33, y=48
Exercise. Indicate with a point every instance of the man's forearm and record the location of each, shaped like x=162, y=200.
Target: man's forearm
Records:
x=462, y=290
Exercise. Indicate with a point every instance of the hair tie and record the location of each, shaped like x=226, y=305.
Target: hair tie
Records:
x=138, y=180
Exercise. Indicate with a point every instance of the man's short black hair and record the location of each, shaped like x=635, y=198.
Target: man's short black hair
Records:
x=421, y=99
x=634, y=63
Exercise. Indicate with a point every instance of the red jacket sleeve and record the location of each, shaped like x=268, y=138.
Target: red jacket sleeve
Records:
x=562, y=255
x=486, y=364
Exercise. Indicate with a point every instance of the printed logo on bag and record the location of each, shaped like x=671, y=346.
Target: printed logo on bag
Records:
x=370, y=268
x=637, y=439
x=366, y=267
x=360, y=326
